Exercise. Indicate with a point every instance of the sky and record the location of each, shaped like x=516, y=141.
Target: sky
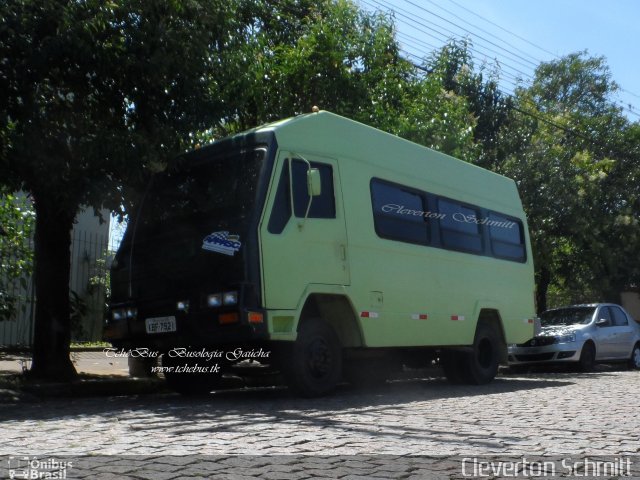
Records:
x=522, y=33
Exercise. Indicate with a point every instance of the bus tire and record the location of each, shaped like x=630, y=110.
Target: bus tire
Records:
x=315, y=366
x=484, y=359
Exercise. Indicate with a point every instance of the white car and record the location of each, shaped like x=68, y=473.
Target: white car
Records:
x=582, y=334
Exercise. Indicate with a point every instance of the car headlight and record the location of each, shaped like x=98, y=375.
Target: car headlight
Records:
x=568, y=338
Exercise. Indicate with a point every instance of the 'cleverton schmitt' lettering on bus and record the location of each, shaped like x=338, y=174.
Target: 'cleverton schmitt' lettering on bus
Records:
x=458, y=217
x=401, y=210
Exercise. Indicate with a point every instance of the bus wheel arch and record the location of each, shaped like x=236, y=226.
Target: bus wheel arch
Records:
x=337, y=311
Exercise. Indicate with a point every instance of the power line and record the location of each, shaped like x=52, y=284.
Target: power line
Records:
x=410, y=16
x=471, y=33
x=444, y=36
x=537, y=60
x=518, y=37
x=538, y=117
x=515, y=80
x=504, y=29
x=520, y=77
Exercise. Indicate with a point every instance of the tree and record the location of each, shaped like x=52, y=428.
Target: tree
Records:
x=567, y=154
x=340, y=58
x=16, y=255
x=487, y=106
x=96, y=94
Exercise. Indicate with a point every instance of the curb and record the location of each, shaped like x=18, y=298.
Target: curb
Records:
x=93, y=387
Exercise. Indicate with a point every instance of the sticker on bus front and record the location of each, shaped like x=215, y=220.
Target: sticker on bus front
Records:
x=222, y=242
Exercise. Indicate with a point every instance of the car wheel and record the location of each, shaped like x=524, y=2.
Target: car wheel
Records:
x=315, y=366
x=587, y=360
x=634, y=361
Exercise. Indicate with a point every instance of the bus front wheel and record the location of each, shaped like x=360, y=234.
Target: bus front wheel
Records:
x=315, y=365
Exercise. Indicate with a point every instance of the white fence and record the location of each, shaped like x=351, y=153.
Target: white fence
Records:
x=90, y=258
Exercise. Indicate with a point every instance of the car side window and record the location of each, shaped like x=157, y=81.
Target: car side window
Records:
x=619, y=318
x=604, y=314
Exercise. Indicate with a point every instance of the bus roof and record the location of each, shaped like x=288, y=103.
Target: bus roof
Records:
x=330, y=135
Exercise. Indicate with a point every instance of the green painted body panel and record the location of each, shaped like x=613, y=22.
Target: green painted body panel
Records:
x=396, y=283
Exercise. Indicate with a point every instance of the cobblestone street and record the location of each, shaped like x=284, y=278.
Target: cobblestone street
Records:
x=529, y=415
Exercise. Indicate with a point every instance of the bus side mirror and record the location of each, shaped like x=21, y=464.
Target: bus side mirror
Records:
x=314, y=185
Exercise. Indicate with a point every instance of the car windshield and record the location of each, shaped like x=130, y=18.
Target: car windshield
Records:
x=567, y=316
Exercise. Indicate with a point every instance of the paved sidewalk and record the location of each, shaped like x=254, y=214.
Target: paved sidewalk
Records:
x=89, y=362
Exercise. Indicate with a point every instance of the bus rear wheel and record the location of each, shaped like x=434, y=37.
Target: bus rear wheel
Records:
x=477, y=366
x=484, y=359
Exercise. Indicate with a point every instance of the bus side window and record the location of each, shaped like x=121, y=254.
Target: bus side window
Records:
x=281, y=212
x=400, y=213
x=507, y=238
x=458, y=229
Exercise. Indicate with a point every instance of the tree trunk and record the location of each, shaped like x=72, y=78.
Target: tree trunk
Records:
x=542, y=285
x=52, y=330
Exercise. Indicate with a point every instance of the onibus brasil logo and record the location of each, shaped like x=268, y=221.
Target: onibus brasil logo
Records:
x=25, y=467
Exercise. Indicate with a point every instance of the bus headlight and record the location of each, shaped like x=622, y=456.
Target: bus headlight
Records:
x=214, y=300
x=230, y=298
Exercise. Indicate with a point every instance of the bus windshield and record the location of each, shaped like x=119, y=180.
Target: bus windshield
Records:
x=221, y=189
x=192, y=225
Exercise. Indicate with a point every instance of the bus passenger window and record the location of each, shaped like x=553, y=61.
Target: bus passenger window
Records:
x=459, y=228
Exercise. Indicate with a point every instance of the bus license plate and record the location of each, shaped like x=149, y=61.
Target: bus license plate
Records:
x=160, y=324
